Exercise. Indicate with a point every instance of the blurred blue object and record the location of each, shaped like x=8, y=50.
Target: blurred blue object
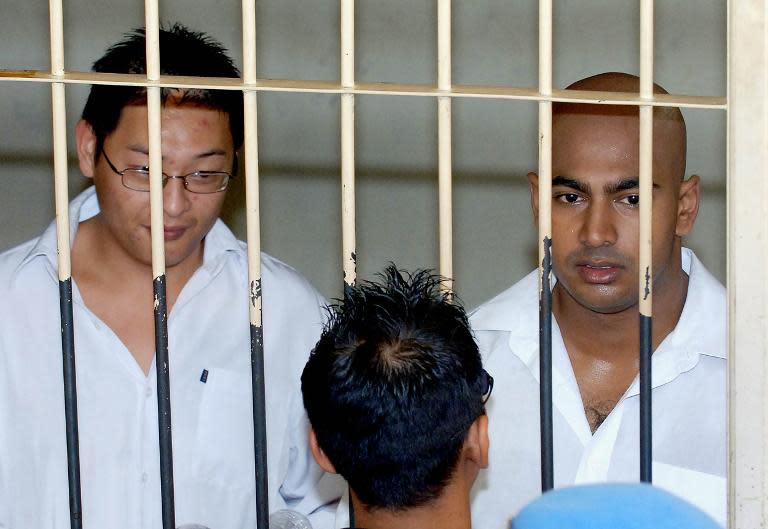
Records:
x=611, y=506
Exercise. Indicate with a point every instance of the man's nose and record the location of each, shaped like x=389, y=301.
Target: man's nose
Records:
x=176, y=198
x=598, y=227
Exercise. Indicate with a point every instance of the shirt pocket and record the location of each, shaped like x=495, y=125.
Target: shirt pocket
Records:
x=225, y=431
x=708, y=492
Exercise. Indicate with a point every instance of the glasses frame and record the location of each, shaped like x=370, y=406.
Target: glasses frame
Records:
x=488, y=386
x=167, y=177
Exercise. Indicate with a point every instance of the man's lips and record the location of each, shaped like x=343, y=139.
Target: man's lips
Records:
x=172, y=233
x=598, y=273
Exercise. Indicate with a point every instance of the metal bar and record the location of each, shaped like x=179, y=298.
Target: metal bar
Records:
x=253, y=236
x=747, y=195
x=445, y=163
x=645, y=275
x=545, y=243
x=61, y=187
x=386, y=89
x=349, y=258
x=154, y=110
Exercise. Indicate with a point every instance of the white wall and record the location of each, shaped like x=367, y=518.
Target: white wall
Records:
x=495, y=141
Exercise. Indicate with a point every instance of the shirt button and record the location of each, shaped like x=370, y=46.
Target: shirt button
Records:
x=148, y=392
x=144, y=477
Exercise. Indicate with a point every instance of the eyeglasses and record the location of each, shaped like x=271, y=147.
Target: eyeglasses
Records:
x=487, y=386
x=201, y=182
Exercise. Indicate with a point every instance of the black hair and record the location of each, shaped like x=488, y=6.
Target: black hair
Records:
x=182, y=52
x=393, y=386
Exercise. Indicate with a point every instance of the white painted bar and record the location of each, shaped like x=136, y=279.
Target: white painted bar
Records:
x=251, y=149
x=347, y=43
x=645, y=270
x=545, y=130
x=747, y=263
x=59, y=117
x=385, y=89
x=154, y=109
x=348, y=187
x=445, y=156
x=348, y=141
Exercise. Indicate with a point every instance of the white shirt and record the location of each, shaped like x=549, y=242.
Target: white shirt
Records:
x=689, y=406
x=208, y=332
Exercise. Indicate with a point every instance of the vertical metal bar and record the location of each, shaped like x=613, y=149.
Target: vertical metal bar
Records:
x=154, y=110
x=253, y=236
x=545, y=244
x=349, y=257
x=645, y=280
x=747, y=262
x=348, y=243
x=445, y=184
x=64, y=265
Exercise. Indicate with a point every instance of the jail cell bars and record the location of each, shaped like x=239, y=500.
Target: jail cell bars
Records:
x=747, y=22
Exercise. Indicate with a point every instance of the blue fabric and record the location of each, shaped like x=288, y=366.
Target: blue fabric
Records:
x=611, y=506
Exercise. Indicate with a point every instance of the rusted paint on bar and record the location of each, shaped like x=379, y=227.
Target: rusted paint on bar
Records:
x=646, y=415
x=258, y=384
x=61, y=190
x=164, y=403
x=70, y=403
x=645, y=269
x=253, y=237
x=154, y=110
x=545, y=371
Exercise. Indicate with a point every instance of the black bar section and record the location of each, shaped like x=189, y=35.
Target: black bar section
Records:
x=164, y=403
x=352, y=521
x=70, y=403
x=259, y=424
x=545, y=371
x=646, y=458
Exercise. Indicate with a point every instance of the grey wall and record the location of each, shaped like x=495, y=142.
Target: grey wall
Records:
x=495, y=42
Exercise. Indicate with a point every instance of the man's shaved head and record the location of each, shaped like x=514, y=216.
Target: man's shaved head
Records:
x=669, y=126
x=595, y=197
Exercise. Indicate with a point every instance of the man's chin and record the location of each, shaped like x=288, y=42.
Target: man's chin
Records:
x=603, y=299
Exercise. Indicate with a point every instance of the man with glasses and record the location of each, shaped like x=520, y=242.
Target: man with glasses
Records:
x=395, y=391
x=208, y=326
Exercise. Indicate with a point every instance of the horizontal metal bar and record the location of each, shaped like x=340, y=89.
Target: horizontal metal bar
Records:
x=333, y=87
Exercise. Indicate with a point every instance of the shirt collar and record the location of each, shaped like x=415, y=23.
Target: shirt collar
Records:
x=86, y=205
x=698, y=331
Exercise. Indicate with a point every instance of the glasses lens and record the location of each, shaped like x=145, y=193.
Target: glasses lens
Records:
x=136, y=179
x=207, y=182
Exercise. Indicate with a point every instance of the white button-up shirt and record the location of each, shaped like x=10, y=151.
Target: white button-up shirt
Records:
x=209, y=348
x=689, y=406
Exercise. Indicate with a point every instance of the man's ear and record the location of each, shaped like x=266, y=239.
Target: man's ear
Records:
x=476, y=444
x=319, y=455
x=85, y=140
x=533, y=183
x=687, y=205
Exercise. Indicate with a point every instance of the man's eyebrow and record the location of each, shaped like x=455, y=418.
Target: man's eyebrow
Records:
x=622, y=185
x=141, y=149
x=571, y=183
x=212, y=152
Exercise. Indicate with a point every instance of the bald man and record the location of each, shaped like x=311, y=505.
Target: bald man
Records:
x=595, y=336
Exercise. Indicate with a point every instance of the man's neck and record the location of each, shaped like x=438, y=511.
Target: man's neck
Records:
x=449, y=511
x=603, y=348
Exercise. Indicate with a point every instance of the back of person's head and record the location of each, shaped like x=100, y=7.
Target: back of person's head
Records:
x=392, y=388
x=182, y=52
